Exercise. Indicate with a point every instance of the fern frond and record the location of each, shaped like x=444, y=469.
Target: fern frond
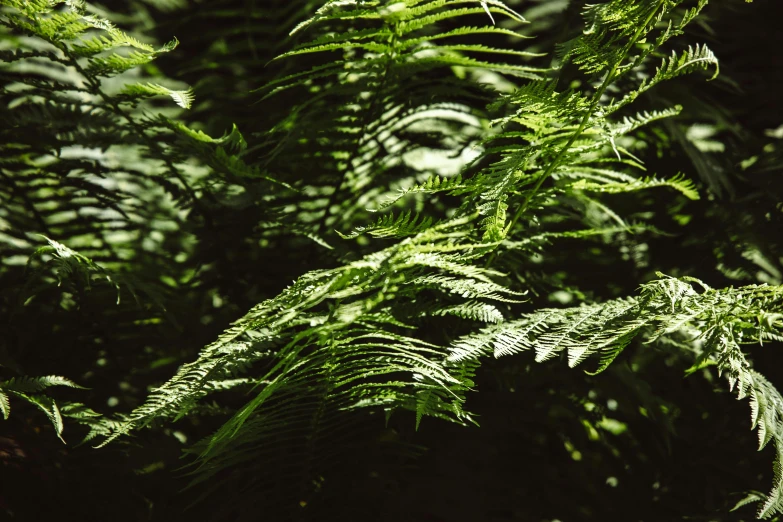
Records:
x=331, y=11
x=415, y=22
x=35, y=384
x=695, y=58
x=115, y=64
x=678, y=182
x=631, y=123
x=464, y=31
x=5, y=404
x=233, y=140
x=387, y=54
x=71, y=265
x=182, y=98
x=110, y=38
x=27, y=388
x=468, y=289
x=405, y=224
x=432, y=185
x=723, y=319
x=378, y=83
x=476, y=311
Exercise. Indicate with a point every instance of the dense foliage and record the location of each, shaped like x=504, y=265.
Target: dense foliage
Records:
x=302, y=261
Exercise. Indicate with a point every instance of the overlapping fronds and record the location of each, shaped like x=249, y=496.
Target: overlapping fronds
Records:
x=548, y=132
x=61, y=98
x=353, y=337
x=335, y=341
x=81, y=164
x=323, y=305
x=55, y=105
x=378, y=84
x=429, y=110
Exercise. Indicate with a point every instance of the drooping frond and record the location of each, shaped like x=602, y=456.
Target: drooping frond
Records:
x=336, y=341
x=29, y=389
x=679, y=183
x=282, y=328
x=718, y=323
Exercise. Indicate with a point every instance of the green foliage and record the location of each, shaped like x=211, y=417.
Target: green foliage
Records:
x=69, y=266
x=485, y=160
x=711, y=325
x=28, y=389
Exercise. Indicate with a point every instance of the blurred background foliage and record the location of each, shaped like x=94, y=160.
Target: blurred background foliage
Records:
x=634, y=443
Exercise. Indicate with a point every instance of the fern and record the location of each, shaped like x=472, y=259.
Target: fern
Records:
x=71, y=266
x=339, y=327
x=387, y=226
x=718, y=322
x=379, y=93
x=28, y=389
x=349, y=114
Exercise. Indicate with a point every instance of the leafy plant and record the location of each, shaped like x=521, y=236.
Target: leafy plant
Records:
x=486, y=163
